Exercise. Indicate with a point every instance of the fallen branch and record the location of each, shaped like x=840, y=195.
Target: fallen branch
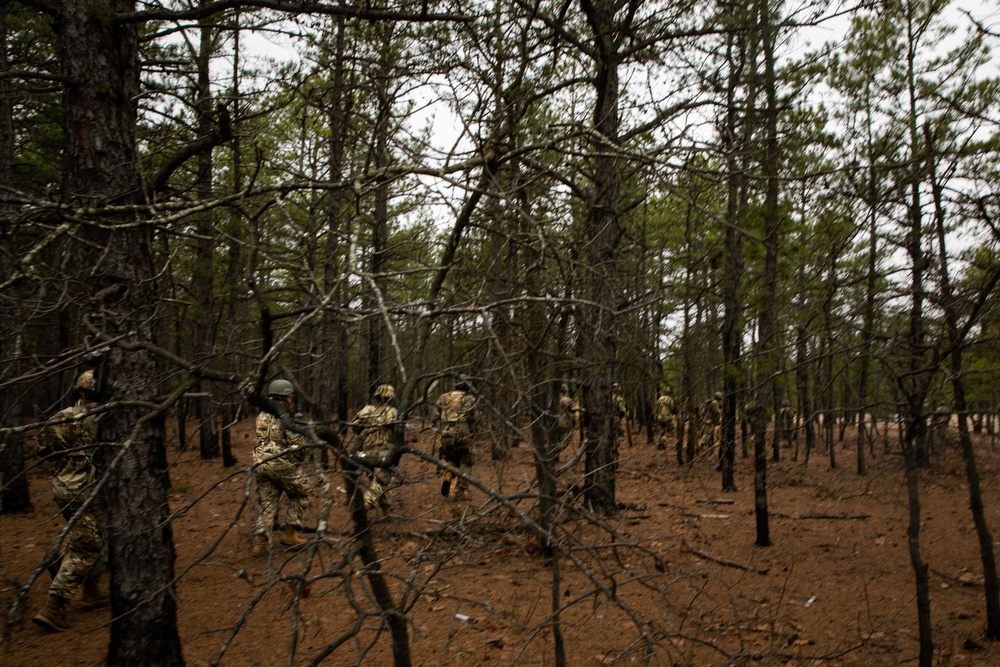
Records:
x=971, y=583
x=837, y=517
x=716, y=501
x=704, y=516
x=722, y=561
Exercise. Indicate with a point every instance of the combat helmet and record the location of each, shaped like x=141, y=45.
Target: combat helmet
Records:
x=384, y=392
x=86, y=381
x=718, y=395
x=280, y=387
x=462, y=383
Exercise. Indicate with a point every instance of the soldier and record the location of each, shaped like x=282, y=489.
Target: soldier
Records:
x=711, y=414
x=276, y=458
x=665, y=414
x=786, y=423
x=374, y=425
x=565, y=412
x=68, y=449
x=620, y=413
x=454, y=422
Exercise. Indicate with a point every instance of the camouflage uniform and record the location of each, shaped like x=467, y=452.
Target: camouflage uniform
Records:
x=666, y=414
x=564, y=421
x=374, y=424
x=276, y=458
x=786, y=423
x=67, y=448
x=711, y=415
x=620, y=413
x=454, y=419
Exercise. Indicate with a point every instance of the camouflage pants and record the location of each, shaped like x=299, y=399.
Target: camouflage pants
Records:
x=275, y=477
x=664, y=428
x=377, y=493
x=786, y=437
x=456, y=449
x=84, y=551
x=708, y=436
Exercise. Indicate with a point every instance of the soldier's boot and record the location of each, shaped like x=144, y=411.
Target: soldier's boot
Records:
x=446, y=485
x=93, y=596
x=261, y=545
x=291, y=538
x=53, y=617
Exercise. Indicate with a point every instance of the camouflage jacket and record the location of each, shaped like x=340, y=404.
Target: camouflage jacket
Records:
x=711, y=412
x=68, y=449
x=786, y=418
x=374, y=424
x=618, y=406
x=454, y=408
x=564, y=414
x=665, y=408
x=273, y=439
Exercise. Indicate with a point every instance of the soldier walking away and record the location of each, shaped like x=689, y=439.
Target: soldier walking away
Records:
x=711, y=414
x=620, y=412
x=786, y=424
x=665, y=414
x=276, y=457
x=69, y=448
x=455, y=414
x=565, y=410
x=374, y=424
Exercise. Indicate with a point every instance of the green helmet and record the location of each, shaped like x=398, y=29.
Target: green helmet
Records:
x=86, y=381
x=280, y=387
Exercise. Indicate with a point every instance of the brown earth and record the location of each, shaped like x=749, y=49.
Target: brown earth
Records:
x=689, y=586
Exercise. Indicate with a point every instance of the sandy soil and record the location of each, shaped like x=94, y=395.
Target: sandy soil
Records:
x=673, y=578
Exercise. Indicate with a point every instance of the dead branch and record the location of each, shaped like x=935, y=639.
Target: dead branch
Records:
x=722, y=561
x=704, y=516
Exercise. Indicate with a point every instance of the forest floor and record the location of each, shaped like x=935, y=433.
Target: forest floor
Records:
x=675, y=579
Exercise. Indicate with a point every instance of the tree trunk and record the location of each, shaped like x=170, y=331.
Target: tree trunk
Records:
x=868, y=318
x=772, y=223
x=915, y=383
x=380, y=214
x=15, y=496
x=203, y=276
x=735, y=139
x=100, y=67
x=603, y=236
x=987, y=556
x=333, y=371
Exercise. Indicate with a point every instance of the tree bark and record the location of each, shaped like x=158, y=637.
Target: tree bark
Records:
x=203, y=276
x=100, y=67
x=772, y=223
x=985, y=537
x=603, y=236
x=16, y=496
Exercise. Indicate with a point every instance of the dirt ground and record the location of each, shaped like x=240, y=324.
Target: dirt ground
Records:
x=673, y=579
